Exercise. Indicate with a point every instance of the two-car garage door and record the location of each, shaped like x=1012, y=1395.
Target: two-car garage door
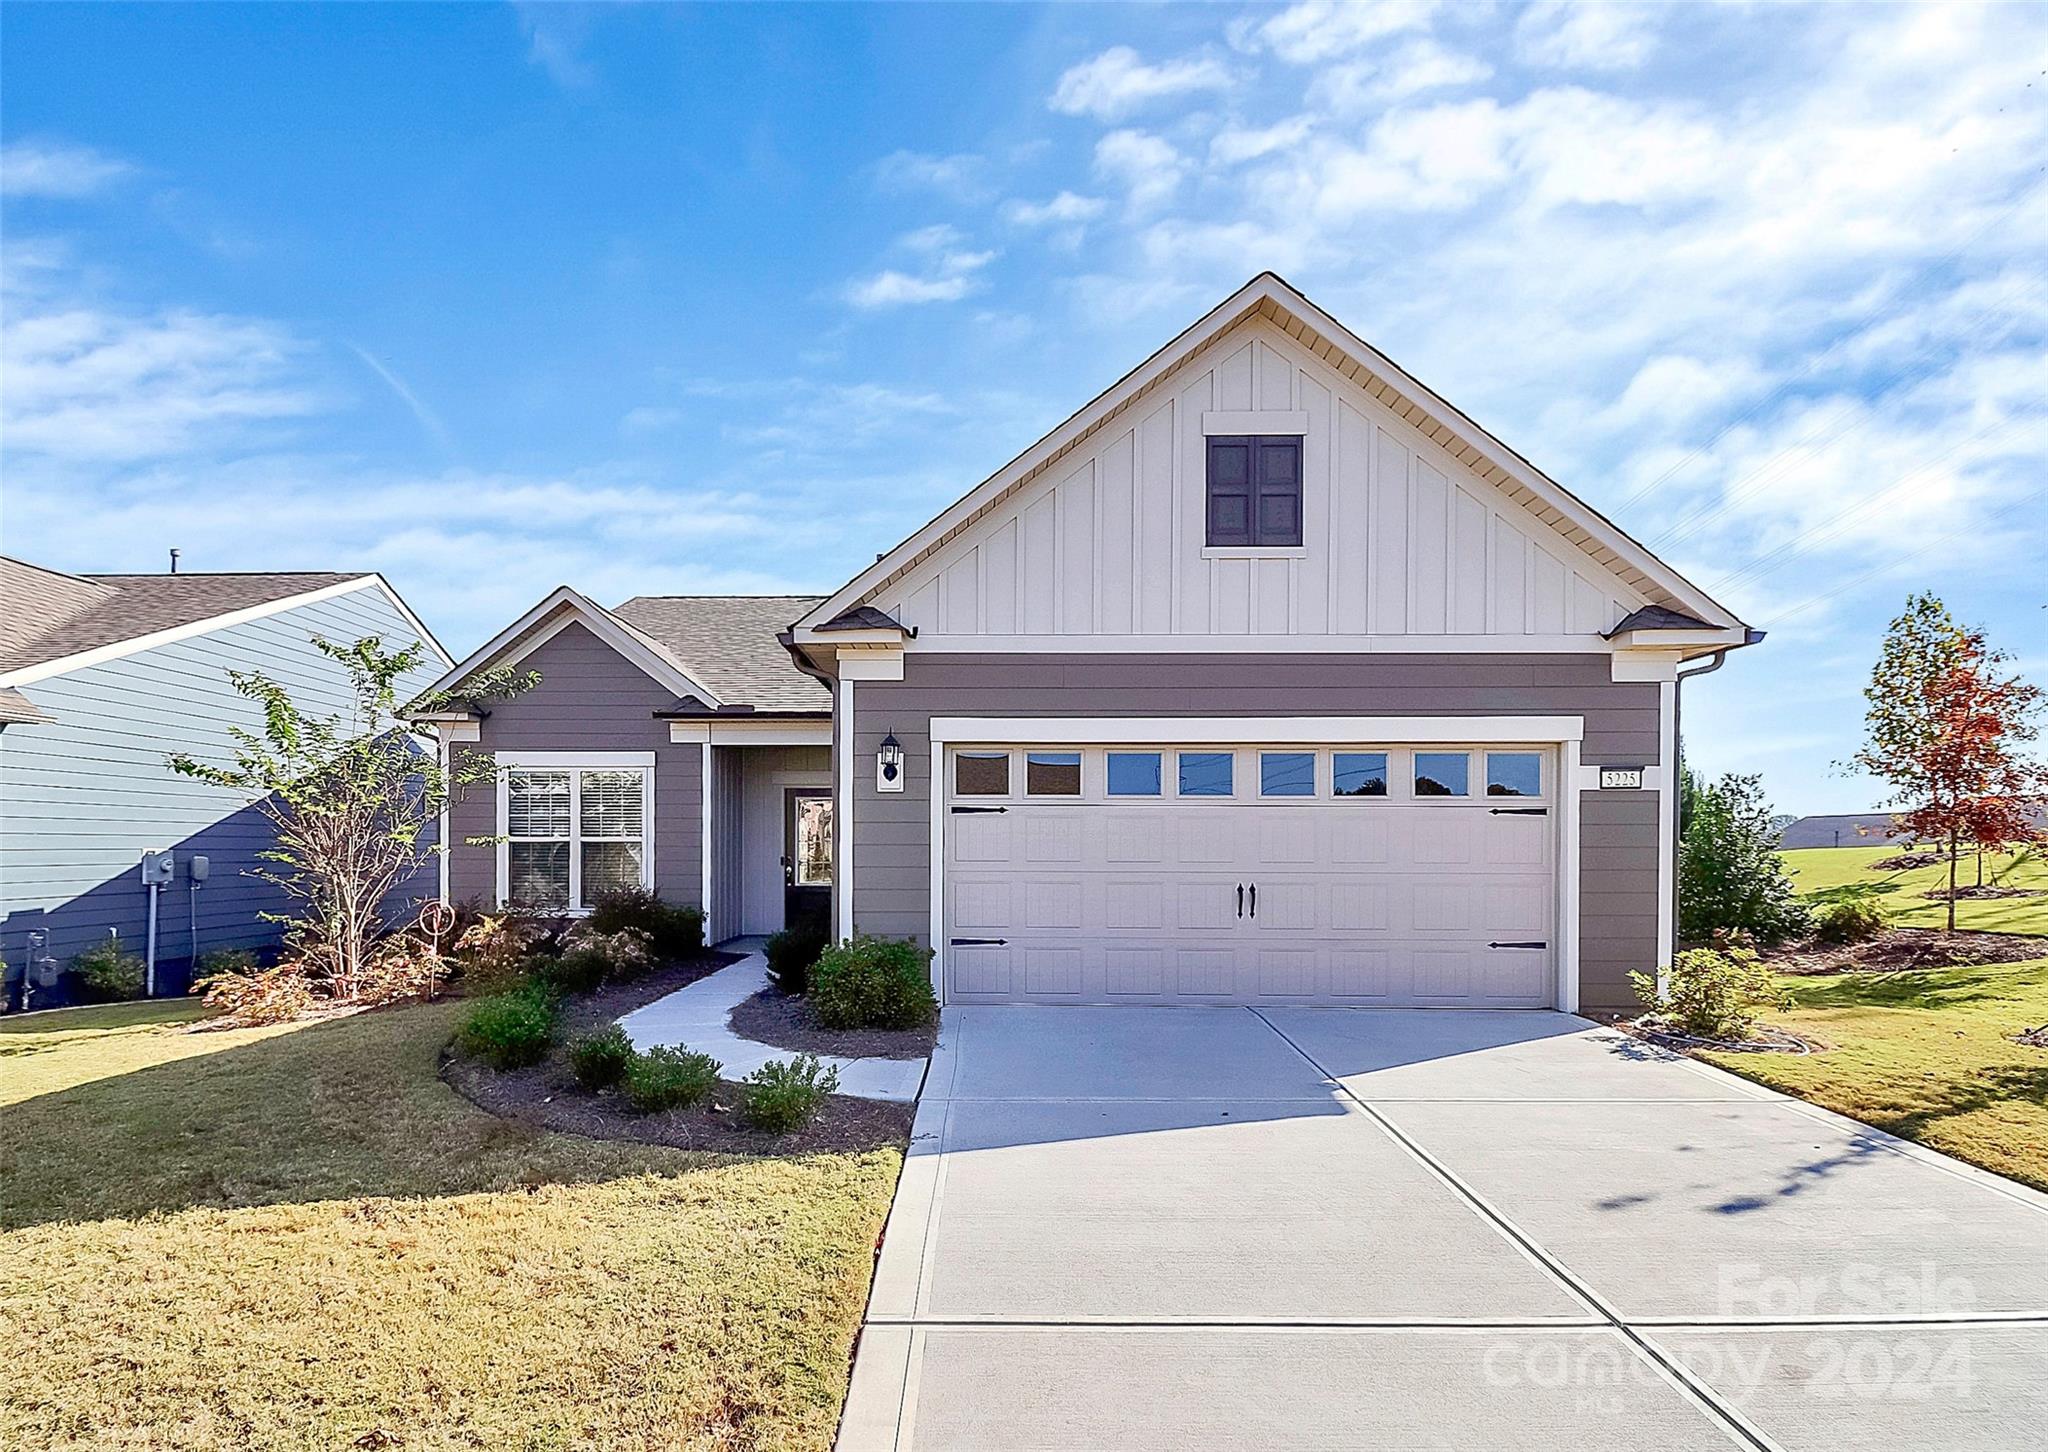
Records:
x=1245, y=874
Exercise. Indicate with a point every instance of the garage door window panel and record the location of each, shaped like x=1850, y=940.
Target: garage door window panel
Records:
x=1443, y=774
x=1358, y=773
x=1132, y=773
x=981, y=774
x=1514, y=774
x=1287, y=773
x=1052, y=774
x=1207, y=773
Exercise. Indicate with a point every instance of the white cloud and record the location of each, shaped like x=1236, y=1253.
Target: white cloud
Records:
x=85, y=383
x=1357, y=87
x=1067, y=208
x=1146, y=166
x=1600, y=35
x=1321, y=30
x=962, y=175
x=946, y=271
x=1118, y=82
x=57, y=169
x=554, y=42
x=1236, y=144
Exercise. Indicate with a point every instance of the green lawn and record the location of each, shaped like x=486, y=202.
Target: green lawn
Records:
x=1819, y=872
x=300, y=1238
x=1928, y=1056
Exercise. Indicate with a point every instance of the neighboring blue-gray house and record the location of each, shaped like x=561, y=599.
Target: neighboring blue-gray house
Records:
x=101, y=678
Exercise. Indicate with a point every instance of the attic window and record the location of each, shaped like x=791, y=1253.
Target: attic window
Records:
x=1254, y=491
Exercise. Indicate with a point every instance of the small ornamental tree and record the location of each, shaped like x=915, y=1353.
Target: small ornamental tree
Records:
x=352, y=799
x=1945, y=729
x=1730, y=877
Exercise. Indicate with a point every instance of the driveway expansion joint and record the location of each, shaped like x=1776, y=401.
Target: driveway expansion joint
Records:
x=1680, y=1376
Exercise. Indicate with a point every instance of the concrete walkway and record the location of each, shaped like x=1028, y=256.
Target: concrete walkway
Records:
x=695, y=1017
x=1191, y=1229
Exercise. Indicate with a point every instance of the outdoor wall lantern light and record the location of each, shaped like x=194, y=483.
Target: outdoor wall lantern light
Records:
x=889, y=765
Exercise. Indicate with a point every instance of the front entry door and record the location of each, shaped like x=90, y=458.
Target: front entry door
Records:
x=807, y=858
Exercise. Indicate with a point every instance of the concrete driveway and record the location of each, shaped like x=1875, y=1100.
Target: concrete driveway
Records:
x=1183, y=1228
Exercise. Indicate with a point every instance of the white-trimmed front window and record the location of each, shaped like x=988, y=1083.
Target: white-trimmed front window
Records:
x=571, y=828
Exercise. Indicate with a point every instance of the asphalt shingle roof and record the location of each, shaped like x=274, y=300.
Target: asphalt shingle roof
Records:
x=46, y=615
x=728, y=642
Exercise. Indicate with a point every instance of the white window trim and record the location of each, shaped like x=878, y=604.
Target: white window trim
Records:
x=1560, y=733
x=573, y=761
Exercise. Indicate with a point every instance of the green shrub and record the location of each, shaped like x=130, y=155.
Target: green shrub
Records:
x=1730, y=876
x=569, y=973
x=224, y=960
x=791, y=953
x=784, y=1095
x=873, y=983
x=590, y=958
x=674, y=932
x=599, y=1060
x=511, y=1030
x=107, y=974
x=1711, y=993
x=668, y=1078
x=1850, y=920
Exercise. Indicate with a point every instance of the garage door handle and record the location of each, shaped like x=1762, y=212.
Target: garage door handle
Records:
x=977, y=942
x=1518, y=945
x=1240, y=899
x=1255, y=899
x=976, y=811
x=1499, y=811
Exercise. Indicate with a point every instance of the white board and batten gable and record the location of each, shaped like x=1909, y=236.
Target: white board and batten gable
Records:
x=1420, y=532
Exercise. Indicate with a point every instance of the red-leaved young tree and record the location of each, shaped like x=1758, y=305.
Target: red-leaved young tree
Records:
x=1946, y=728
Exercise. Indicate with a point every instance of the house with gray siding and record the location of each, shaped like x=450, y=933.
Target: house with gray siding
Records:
x=102, y=677
x=1267, y=677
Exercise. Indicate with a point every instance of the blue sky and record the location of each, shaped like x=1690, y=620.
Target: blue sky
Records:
x=679, y=299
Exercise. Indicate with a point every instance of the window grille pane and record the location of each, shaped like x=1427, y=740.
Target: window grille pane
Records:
x=537, y=804
x=537, y=874
x=612, y=802
x=608, y=866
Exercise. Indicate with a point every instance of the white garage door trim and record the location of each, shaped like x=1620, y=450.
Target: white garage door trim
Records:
x=1563, y=732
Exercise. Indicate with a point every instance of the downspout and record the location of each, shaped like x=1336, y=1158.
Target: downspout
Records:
x=1714, y=662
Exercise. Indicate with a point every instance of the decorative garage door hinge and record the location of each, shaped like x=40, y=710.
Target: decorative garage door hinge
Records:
x=976, y=811
x=1501, y=811
x=977, y=942
x=1518, y=945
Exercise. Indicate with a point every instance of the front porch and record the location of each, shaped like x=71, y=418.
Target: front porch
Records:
x=767, y=836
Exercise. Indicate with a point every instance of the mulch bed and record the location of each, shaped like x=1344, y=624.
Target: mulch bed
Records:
x=774, y=1017
x=1906, y=862
x=1766, y=1040
x=1905, y=949
x=1980, y=894
x=547, y=1096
